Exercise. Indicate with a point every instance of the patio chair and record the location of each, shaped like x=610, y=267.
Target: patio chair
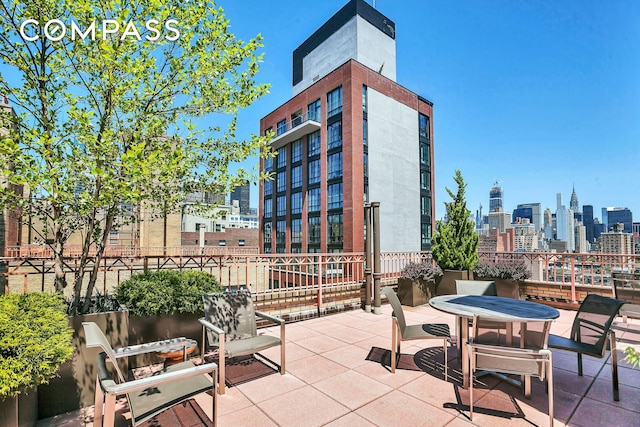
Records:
x=147, y=396
x=402, y=332
x=484, y=287
x=229, y=324
x=533, y=361
x=589, y=332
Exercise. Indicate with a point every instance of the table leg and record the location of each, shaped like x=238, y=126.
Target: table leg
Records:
x=525, y=379
x=464, y=359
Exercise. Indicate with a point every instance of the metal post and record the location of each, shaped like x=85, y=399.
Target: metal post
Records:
x=376, y=257
x=367, y=257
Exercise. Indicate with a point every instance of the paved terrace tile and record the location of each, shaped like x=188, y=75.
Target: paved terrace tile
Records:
x=338, y=375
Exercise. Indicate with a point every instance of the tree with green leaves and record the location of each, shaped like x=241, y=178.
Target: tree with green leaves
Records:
x=120, y=105
x=455, y=242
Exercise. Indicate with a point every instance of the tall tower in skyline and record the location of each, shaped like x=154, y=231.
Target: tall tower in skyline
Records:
x=496, y=198
x=242, y=194
x=349, y=135
x=573, y=203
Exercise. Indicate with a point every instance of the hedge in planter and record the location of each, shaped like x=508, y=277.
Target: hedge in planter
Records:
x=35, y=338
x=507, y=276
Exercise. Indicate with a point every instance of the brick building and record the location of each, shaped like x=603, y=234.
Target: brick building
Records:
x=349, y=135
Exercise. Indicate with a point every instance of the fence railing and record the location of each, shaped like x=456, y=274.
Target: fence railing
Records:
x=277, y=273
x=126, y=251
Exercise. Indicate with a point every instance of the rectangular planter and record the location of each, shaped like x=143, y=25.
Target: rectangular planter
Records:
x=75, y=387
x=415, y=292
x=447, y=285
x=20, y=410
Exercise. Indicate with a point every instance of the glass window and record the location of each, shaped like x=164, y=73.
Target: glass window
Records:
x=313, y=144
x=314, y=111
x=296, y=151
x=296, y=231
x=313, y=200
x=335, y=229
x=334, y=135
x=281, y=181
x=424, y=153
x=281, y=232
x=267, y=208
x=267, y=233
x=423, y=124
x=268, y=187
x=425, y=232
x=425, y=180
x=335, y=196
x=365, y=132
x=282, y=127
x=425, y=205
x=282, y=157
x=268, y=164
x=334, y=165
x=334, y=102
x=296, y=177
x=296, y=203
x=314, y=172
x=267, y=249
x=281, y=206
x=313, y=230
x=364, y=98
x=365, y=162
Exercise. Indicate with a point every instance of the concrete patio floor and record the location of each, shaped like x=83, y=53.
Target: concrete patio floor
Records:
x=338, y=375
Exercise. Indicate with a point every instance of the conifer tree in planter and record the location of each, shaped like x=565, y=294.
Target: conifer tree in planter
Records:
x=455, y=242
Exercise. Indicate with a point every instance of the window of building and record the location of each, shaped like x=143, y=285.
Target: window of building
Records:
x=314, y=172
x=313, y=144
x=334, y=102
x=364, y=98
x=268, y=187
x=296, y=177
x=281, y=232
x=425, y=180
x=241, y=242
x=281, y=181
x=281, y=127
x=423, y=126
x=425, y=233
x=313, y=200
x=296, y=203
x=267, y=209
x=314, y=110
x=266, y=239
x=281, y=206
x=313, y=230
x=365, y=162
x=424, y=153
x=335, y=229
x=334, y=135
x=267, y=249
x=282, y=158
x=296, y=151
x=365, y=132
x=334, y=200
x=222, y=242
x=425, y=205
x=334, y=165
x=296, y=231
x=268, y=164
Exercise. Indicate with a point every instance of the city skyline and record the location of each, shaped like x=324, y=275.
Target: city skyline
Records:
x=552, y=87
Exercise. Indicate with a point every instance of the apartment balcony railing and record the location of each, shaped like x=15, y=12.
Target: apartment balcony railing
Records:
x=282, y=275
x=295, y=129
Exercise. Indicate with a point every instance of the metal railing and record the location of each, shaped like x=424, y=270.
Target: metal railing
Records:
x=127, y=251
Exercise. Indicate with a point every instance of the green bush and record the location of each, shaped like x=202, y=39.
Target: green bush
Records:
x=512, y=270
x=35, y=338
x=165, y=292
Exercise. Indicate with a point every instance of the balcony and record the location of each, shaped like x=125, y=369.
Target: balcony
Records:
x=337, y=375
x=294, y=130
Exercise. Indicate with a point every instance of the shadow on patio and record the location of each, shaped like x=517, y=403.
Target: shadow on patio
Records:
x=338, y=374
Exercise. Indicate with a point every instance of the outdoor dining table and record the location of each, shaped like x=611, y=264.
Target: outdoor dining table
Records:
x=508, y=310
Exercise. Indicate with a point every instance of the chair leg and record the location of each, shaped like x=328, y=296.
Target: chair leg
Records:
x=214, y=403
x=394, y=337
x=221, y=365
x=471, y=371
x=282, y=350
x=580, y=364
x=614, y=365
x=99, y=402
x=446, y=361
x=109, y=410
x=549, y=384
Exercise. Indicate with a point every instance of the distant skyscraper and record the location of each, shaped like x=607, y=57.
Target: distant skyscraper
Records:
x=529, y=210
x=242, y=195
x=479, y=217
x=587, y=220
x=573, y=203
x=548, y=224
x=612, y=216
x=565, y=227
x=495, y=198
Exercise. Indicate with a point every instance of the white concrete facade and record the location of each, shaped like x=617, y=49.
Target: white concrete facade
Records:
x=358, y=40
x=394, y=171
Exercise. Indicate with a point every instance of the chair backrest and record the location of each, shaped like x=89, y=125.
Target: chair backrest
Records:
x=593, y=321
x=397, y=307
x=476, y=287
x=232, y=312
x=95, y=338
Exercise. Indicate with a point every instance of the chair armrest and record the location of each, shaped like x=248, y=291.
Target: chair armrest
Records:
x=133, y=350
x=213, y=328
x=111, y=387
x=269, y=317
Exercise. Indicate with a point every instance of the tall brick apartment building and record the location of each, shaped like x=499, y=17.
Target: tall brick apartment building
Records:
x=349, y=135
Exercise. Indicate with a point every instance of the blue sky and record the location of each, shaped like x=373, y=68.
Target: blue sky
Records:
x=538, y=95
